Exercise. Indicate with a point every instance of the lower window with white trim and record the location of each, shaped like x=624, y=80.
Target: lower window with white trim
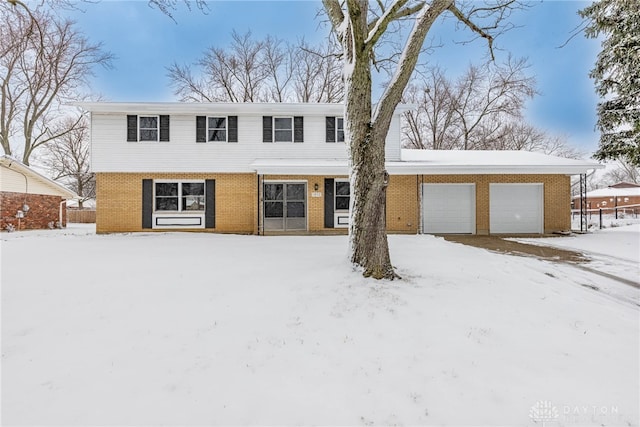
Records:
x=178, y=204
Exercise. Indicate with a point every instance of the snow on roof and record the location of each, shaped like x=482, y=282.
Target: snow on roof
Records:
x=488, y=162
x=614, y=192
x=445, y=162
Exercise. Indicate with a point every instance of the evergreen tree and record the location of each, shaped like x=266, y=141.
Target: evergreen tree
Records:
x=617, y=76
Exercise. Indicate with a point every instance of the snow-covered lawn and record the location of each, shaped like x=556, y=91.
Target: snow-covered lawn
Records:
x=200, y=329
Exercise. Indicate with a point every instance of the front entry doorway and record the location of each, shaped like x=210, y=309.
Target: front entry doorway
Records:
x=285, y=206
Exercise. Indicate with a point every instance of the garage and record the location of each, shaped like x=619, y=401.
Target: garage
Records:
x=449, y=208
x=516, y=208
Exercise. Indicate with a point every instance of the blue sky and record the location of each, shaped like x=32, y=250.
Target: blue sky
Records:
x=145, y=42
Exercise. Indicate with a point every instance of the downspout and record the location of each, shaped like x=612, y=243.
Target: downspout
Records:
x=258, y=203
x=420, y=212
x=418, y=190
x=60, y=214
x=26, y=183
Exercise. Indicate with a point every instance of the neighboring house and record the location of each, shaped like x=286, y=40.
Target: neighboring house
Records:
x=29, y=200
x=620, y=195
x=283, y=168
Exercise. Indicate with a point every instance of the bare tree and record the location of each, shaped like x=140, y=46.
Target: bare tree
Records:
x=279, y=64
x=236, y=74
x=359, y=26
x=487, y=95
x=318, y=74
x=39, y=73
x=519, y=135
x=624, y=171
x=434, y=123
x=67, y=158
x=481, y=110
x=268, y=70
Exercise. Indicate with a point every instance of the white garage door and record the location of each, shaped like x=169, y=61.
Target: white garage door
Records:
x=516, y=208
x=449, y=208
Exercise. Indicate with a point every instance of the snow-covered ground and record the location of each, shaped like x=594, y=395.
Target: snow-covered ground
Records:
x=614, y=251
x=201, y=329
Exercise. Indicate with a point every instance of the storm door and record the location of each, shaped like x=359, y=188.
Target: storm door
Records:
x=285, y=206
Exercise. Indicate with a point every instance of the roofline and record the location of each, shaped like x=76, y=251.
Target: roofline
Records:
x=223, y=107
x=266, y=167
x=11, y=163
x=415, y=168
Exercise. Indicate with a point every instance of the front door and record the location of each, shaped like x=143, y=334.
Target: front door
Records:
x=285, y=206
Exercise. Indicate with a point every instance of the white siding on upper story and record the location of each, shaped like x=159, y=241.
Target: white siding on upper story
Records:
x=112, y=153
x=392, y=145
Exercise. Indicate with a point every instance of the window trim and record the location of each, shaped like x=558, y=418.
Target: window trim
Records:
x=336, y=195
x=273, y=127
x=179, y=196
x=338, y=130
x=226, y=129
x=157, y=128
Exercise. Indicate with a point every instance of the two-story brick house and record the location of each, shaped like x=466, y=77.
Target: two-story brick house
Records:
x=283, y=168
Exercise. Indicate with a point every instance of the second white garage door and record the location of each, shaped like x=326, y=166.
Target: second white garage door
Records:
x=449, y=208
x=516, y=208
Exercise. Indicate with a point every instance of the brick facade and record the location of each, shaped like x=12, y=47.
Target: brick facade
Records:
x=609, y=202
x=238, y=209
x=119, y=196
x=43, y=211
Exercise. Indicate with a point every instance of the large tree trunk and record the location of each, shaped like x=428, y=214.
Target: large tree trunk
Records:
x=367, y=229
x=368, y=234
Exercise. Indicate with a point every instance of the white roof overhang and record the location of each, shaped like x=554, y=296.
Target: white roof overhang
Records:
x=340, y=167
x=13, y=164
x=212, y=108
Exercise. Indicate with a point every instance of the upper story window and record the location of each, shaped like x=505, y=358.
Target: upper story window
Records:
x=179, y=196
x=334, y=129
x=217, y=129
x=148, y=128
x=282, y=129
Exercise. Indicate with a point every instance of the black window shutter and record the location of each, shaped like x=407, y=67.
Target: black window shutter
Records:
x=201, y=129
x=164, y=128
x=232, y=132
x=132, y=128
x=267, y=129
x=331, y=129
x=147, y=203
x=210, y=203
x=298, y=129
x=328, y=202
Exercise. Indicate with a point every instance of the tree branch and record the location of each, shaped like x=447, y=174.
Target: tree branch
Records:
x=465, y=20
x=379, y=26
x=336, y=15
x=393, y=93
